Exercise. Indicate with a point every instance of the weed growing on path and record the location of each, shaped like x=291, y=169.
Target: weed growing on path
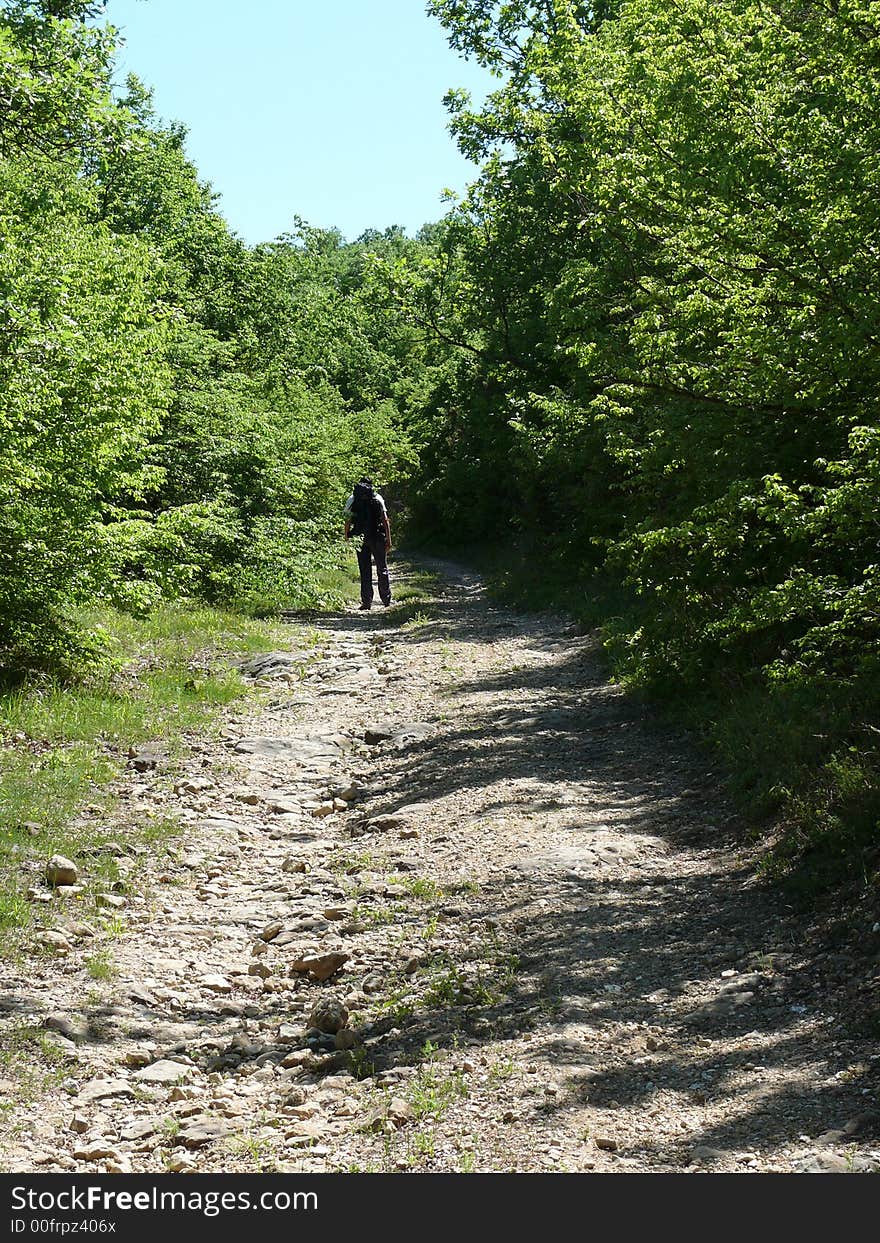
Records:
x=100, y=965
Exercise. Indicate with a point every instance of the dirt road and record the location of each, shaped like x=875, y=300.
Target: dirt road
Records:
x=542, y=945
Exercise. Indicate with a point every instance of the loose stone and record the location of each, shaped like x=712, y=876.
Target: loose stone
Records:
x=61, y=871
x=329, y=1015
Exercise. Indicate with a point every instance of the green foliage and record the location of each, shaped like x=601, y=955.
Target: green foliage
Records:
x=660, y=311
x=181, y=416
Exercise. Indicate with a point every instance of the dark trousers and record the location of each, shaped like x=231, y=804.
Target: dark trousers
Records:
x=374, y=549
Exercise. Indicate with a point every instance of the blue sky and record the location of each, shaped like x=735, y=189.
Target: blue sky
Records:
x=330, y=111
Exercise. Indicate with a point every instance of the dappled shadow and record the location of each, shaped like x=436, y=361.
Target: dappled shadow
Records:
x=613, y=992
x=620, y=929
x=670, y=939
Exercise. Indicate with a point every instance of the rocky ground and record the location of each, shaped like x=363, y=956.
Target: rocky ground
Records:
x=443, y=900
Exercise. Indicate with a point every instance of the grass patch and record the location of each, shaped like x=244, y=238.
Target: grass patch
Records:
x=445, y=984
x=30, y=1060
x=419, y=586
x=431, y=1092
x=412, y=617
x=322, y=576
x=100, y=965
x=357, y=862
x=420, y=887
x=62, y=745
x=374, y=916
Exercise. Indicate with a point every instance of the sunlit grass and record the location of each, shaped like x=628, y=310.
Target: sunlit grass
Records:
x=61, y=745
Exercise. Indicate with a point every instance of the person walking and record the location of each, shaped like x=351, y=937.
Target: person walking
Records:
x=366, y=515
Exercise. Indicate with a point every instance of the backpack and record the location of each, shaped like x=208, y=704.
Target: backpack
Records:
x=366, y=512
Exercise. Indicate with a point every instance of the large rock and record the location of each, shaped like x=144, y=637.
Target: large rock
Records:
x=299, y=750
x=145, y=757
x=270, y=664
x=162, y=1072
x=280, y=806
x=216, y=984
x=72, y=1029
x=319, y=966
x=329, y=1015
x=396, y=734
x=103, y=1090
x=61, y=871
x=202, y=1131
x=385, y=824
x=97, y=1150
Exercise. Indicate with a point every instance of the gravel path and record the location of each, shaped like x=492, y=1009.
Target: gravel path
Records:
x=522, y=900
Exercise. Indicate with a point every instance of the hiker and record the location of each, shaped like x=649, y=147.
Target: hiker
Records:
x=366, y=515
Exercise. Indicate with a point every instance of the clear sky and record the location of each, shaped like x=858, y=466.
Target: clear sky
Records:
x=330, y=111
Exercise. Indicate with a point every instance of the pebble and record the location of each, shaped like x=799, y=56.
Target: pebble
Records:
x=112, y=900
x=180, y=1163
x=96, y=1150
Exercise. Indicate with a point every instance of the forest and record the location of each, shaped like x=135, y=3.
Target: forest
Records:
x=633, y=372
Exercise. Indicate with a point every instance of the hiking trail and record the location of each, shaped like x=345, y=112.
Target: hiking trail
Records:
x=526, y=903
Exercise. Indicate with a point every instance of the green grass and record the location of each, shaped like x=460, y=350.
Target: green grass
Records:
x=355, y=862
x=321, y=577
x=100, y=965
x=411, y=617
x=420, y=887
x=62, y=745
x=419, y=586
x=374, y=916
x=445, y=984
x=431, y=1093
x=31, y=1061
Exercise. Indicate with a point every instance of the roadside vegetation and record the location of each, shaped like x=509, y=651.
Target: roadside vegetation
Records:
x=64, y=744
